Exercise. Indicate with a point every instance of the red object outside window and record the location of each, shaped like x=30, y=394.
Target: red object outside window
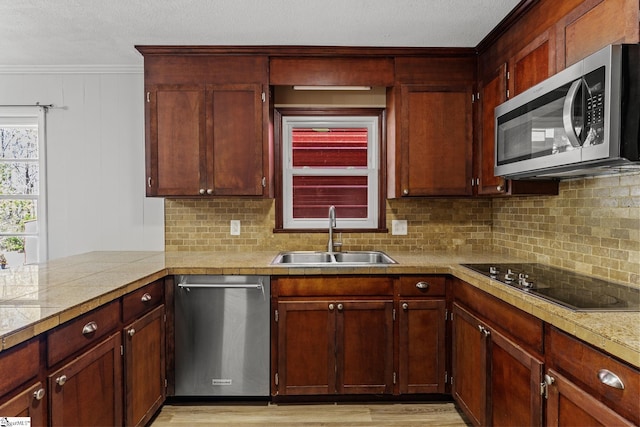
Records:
x=331, y=149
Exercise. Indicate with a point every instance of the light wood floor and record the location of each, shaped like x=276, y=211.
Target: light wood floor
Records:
x=327, y=415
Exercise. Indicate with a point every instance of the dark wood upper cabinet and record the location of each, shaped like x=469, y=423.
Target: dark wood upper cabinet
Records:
x=175, y=140
x=331, y=71
x=208, y=107
x=532, y=64
x=430, y=127
x=493, y=92
x=207, y=125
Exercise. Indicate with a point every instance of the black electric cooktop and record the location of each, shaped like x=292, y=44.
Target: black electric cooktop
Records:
x=571, y=290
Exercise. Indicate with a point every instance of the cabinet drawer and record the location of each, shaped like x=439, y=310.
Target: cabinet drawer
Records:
x=582, y=364
x=142, y=300
x=79, y=333
x=333, y=286
x=421, y=286
x=519, y=326
x=18, y=365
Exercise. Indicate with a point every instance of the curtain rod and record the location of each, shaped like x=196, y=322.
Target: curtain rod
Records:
x=37, y=104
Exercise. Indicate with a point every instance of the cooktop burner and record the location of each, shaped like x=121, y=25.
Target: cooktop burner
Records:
x=571, y=290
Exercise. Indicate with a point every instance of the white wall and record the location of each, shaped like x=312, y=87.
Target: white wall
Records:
x=95, y=158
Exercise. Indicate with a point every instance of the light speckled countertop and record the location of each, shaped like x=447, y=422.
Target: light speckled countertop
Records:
x=34, y=299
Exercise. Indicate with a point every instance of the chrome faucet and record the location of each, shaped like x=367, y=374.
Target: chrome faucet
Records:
x=332, y=225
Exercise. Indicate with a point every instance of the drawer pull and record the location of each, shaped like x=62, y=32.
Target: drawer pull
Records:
x=146, y=297
x=61, y=380
x=38, y=394
x=405, y=306
x=90, y=328
x=609, y=378
x=422, y=286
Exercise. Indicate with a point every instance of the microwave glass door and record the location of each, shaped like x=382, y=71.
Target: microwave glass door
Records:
x=537, y=129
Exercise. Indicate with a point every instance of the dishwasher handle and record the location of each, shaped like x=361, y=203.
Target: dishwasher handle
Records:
x=222, y=285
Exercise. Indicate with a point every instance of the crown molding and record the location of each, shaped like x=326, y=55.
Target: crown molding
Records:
x=71, y=69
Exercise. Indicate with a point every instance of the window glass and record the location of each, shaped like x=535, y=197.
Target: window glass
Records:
x=21, y=196
x=330, y=161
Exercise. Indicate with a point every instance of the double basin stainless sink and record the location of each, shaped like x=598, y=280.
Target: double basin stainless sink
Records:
x=332, y=259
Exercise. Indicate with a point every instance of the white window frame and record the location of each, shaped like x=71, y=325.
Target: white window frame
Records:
x=372, y=170
x=32, y=116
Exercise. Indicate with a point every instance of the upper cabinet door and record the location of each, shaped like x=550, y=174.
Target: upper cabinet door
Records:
x=234, y=140
x=493, y=93
x=532, y=64
x=205, y=142
x=175, y=140
x=436, y=140
x=206, y=125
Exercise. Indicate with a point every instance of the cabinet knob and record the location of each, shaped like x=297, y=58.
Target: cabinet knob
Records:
x=202, y=191
x=405, y=191
x=61, y=380
x=38, y=394
x=609, y=378
x=423, y=286
x=405, y=306
x=340, y=307
x=500, y=188
x=89, y=328
x=484, y=330
x=209, y=191
x=331, y=307
x=146, y=297
x=131, y=332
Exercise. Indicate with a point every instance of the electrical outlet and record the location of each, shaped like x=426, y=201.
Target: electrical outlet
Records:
x=399, y=227
x=235, y=227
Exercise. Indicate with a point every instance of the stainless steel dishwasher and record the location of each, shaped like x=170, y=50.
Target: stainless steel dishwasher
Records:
x=222, y=340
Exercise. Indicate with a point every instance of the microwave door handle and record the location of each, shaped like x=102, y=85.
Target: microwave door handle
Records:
x=567, y=113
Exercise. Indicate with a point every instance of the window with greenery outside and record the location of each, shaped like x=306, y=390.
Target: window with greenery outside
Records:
x=19, y=187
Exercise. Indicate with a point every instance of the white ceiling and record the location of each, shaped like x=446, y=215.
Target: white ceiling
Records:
x=104, y=32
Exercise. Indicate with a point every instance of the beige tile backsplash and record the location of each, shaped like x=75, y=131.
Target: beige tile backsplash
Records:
x=439, y=224
x=592, y=226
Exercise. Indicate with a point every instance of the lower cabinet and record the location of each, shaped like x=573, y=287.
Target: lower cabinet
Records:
x=570, y=405
x=496, y=377
x=585, y=386
x=107, y=367
x=22, y=393
x=348, y=335
x=28, y=403
x=144, y=367
x=333, y=335
x=495, y=381
x=470, y=370
x=422, y=355
x=87, y=391
x=341, y=346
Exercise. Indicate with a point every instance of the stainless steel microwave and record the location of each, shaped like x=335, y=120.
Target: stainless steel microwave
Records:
x=582, y=121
